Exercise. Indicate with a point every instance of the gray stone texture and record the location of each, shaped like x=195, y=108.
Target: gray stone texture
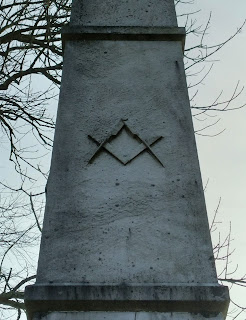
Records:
x=169, y=298
x=125, y=213
x=124, y=13
x=127, y=316
x=138, y=223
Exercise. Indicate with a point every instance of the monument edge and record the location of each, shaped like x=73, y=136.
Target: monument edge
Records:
x=155, y=298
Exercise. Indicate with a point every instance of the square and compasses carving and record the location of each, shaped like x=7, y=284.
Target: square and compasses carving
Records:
x=125, y=145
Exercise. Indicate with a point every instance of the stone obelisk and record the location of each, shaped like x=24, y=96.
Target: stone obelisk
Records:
x=125, y=232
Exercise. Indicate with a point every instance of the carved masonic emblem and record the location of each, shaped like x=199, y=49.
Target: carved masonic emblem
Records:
x=125, y=145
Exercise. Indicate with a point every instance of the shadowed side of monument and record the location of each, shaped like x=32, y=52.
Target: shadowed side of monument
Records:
x=125, y=230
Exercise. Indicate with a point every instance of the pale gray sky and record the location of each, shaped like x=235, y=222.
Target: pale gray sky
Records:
x=223, y=158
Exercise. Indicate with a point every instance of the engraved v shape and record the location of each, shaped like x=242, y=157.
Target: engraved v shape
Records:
x=122, y=131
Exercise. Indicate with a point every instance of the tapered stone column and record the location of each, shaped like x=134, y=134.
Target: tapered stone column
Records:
x=125, y=232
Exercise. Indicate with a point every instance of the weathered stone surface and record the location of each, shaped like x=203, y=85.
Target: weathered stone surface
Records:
x=172, y=298
x=127, y=316
x=106, y=222
x=117, y=33
x=123, y=13
x=125, y=225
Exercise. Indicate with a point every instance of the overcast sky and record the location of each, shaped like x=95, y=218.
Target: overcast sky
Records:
x=223, y=158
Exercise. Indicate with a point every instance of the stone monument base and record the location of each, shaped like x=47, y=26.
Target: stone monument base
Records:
x=101, y=315
x=158, y=302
